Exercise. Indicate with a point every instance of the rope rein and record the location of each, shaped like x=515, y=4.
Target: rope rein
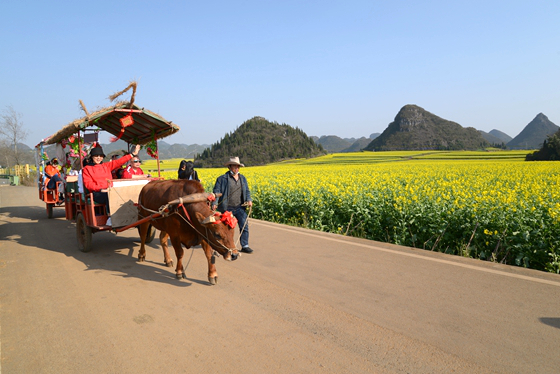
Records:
x=163, y=210
x=245, y=224
x=201, y=234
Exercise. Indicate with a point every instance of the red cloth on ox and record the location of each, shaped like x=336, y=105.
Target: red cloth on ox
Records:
x=228, y=219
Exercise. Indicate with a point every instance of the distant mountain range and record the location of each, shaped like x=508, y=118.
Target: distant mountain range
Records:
x=165, y=150
x=413, y=129
x=495, y=137
x=334, y=144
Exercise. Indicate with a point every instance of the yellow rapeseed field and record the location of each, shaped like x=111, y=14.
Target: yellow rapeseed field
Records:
x=492, y=206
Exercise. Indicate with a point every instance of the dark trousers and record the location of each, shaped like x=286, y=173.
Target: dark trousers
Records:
x=52, y=182
x=102, y=198
x=241, y=215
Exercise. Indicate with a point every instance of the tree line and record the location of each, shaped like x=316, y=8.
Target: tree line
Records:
x=550, y=150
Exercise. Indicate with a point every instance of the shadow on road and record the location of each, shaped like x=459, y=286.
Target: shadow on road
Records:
x=111, y=252
x=554, y=322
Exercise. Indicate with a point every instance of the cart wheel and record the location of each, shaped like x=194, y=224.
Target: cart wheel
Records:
x=83, y=233
x=50, y=210
x=150, y=235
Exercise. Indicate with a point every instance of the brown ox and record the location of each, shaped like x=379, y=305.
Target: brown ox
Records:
x=188, y=228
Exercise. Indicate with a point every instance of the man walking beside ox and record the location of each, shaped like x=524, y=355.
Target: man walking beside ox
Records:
x=235, y=198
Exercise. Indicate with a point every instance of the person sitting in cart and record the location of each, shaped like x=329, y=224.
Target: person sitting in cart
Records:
x=118, y=172
x=133, y=169
x=186, y=171
x=97, y=176
x=53, y=174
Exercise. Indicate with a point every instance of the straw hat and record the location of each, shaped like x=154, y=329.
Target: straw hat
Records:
x=234, y=161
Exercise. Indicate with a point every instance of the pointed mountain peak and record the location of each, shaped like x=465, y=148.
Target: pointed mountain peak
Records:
x=541, y=120
x=541, y=116
x=534, y=134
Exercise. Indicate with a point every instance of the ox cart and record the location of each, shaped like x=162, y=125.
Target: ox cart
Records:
x=125, y=121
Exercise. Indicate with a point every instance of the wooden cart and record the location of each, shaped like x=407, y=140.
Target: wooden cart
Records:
x=125, y=121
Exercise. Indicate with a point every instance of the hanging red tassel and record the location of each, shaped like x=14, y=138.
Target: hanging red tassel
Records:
x=125, y=122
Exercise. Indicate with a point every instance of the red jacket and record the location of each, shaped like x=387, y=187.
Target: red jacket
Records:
x=98, y=177
x=130, y=171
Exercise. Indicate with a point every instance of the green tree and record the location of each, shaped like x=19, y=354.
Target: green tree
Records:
x=550, y=150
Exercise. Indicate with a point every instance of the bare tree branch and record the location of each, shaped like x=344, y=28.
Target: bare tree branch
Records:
x=12, y=131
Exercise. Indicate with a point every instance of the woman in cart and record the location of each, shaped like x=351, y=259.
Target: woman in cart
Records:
x=97, y=176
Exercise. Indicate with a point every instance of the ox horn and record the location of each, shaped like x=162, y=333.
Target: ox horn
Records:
x=211, y=218
x=193, y=198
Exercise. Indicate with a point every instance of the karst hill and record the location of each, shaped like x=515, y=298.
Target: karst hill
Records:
x=417, y=129
x=259, y=142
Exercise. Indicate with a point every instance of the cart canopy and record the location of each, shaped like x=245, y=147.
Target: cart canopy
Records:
x=146, y=125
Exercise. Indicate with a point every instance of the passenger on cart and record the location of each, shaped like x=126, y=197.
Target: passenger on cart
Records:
x=97, y=177
x=87, y=161
x=53, y=174
x=133, y=169
x=186, y=171
x=118, y=172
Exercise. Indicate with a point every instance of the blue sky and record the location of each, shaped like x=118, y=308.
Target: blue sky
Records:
x=340, y=68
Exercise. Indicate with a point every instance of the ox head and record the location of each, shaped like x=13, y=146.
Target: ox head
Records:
x=220, y=228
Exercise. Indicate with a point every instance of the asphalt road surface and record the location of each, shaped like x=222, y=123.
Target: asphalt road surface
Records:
x=303, y=302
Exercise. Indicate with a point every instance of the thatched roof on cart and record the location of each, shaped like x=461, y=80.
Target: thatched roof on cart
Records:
x=146, y=124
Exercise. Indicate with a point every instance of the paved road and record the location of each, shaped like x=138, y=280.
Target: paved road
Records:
x=304, y=302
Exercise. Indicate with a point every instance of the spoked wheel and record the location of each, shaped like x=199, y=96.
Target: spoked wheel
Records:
x=83, y=233
x=50, y=210
x=150, y=235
